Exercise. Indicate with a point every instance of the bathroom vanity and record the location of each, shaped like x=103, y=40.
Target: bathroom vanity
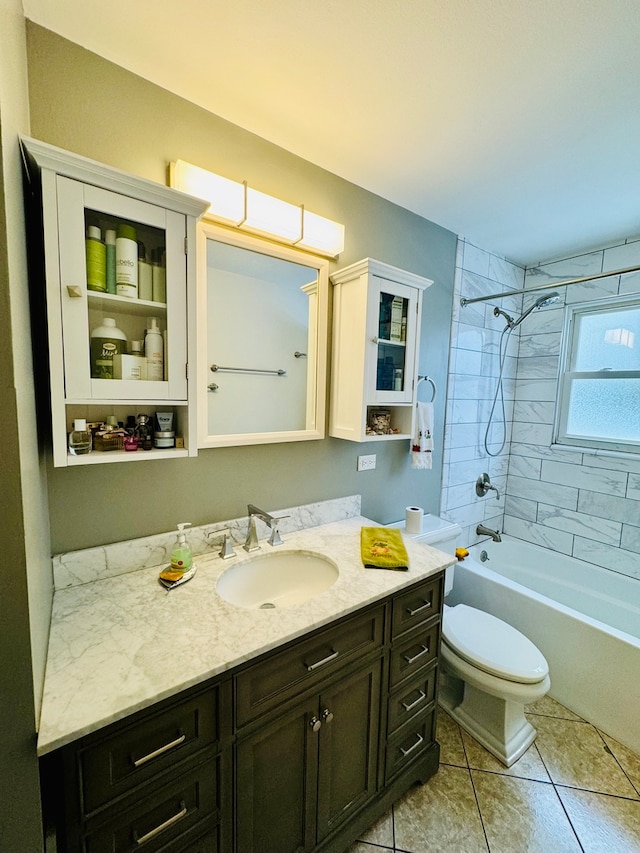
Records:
x=276, y=730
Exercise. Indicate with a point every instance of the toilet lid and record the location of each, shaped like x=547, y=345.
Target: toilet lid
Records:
x=493, y=646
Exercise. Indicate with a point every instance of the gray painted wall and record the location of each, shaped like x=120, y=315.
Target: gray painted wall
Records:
x=85, y=104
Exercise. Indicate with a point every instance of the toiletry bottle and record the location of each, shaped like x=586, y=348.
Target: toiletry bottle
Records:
x=154, y=351
x=107, y=340
x=79, y=438
x=181, y=556
x=96, y=260
x=126, y=261
x=145, y=274
x=144, y=432
x=159, y=275
x=110, y=247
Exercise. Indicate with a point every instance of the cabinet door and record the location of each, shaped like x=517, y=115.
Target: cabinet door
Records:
x=276, y=784
x=347, y=769
x=82, y=309
x=392, y=316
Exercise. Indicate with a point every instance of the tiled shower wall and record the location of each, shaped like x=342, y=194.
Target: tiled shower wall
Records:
x=583, y=504
x=473, y=374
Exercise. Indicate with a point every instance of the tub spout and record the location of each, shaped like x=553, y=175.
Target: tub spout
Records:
x=481, y=530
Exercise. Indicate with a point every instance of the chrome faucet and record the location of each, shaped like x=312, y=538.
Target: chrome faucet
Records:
x=481, y=530
x=254, y=512
x=484, y=485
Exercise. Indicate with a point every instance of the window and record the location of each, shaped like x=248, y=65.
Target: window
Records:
x=598, y=402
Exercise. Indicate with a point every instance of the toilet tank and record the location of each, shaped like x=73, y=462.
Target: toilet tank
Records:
x=440, y=534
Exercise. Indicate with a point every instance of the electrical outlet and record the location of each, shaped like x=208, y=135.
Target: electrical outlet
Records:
x=367, y=463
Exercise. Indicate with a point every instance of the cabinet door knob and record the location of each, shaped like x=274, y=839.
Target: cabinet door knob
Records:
x=315, y=724
x=74, y=290
x=327, y=716
x=375, y=340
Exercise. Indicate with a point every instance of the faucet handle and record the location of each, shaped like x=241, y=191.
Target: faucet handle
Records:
x=226, y=550
x=275, y=538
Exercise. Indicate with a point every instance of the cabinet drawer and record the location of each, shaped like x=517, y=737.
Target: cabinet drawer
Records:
x=412, y=698
x=414, y=651
x=417, y=605
x=133, y=755
x=410, y=743
x=167, y=819
x=285, y=673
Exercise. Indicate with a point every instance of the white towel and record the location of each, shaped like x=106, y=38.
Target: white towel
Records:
x=422, y=441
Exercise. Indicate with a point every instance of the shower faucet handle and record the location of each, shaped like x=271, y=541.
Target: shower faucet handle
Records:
x=484, y=485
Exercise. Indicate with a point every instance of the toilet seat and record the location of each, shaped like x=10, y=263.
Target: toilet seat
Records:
x=492, y=645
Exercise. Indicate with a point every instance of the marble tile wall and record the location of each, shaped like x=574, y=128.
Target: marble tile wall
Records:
x=91, y=564
x=474, y=369
x=583, y=504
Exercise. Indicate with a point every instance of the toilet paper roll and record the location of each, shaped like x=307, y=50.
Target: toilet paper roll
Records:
x=413, y=519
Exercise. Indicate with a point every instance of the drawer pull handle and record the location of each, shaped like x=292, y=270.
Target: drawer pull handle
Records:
x=140, y=761
x=426, y=606
x=423, y=651
x=412, y=705
x=334, y=654
x=168, y=823
x=315, y=724
x=327, y=715
x=406, y=752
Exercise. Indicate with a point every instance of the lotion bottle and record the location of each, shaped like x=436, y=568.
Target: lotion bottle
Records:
x=96, y=260
x=154, y=352
x=110, y=246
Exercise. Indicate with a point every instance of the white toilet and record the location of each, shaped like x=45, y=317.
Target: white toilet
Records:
x=489, y=671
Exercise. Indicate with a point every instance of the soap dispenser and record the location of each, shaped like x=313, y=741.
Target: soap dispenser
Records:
x=182, y=567
x=181, y=556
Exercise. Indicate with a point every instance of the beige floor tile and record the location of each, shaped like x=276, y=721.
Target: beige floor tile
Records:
x=530, y=766
x=360, y=847
x=441, y=815
x=603, y=824
x=522, y=815
x=548, y=707
x=381, y=832
x=575, y=755
x=629, y=760
x=449, y=737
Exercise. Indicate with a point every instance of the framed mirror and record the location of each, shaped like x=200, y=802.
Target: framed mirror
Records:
x=262, y=313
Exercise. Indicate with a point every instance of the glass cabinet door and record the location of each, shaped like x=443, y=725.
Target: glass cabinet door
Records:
x=112, y=297
x=393, y=320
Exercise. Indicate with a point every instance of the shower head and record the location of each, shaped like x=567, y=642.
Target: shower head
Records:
x=540, y=302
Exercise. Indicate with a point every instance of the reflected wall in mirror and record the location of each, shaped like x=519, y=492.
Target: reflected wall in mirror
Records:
x=262, y=341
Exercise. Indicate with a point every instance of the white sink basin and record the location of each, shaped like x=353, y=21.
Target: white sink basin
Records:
x=281, y=579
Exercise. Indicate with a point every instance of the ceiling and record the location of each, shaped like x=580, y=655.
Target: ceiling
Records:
x=514, y=123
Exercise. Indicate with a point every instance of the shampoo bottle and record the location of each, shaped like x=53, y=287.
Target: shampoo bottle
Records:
x=145, y=274
x=181, y=556
x=96, y=260
x=107, y=341
x=110, y=241
x=126, y=261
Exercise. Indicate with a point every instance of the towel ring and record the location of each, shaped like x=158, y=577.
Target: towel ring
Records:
x=433, y=387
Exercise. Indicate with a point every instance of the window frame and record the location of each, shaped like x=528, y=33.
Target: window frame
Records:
x=566, y=376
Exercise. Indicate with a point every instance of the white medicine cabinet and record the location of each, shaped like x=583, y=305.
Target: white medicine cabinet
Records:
x=262, y=340
x=76, y=195
x=377, y=310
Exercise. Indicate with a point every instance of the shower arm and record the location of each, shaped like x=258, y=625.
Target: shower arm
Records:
x=553, y=286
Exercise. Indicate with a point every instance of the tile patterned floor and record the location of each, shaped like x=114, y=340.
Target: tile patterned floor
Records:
x=576, y=790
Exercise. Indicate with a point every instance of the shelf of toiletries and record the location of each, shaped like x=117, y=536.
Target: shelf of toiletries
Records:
x=119, y=283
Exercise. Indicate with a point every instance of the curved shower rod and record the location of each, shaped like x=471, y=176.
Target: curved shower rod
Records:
x=551, y=286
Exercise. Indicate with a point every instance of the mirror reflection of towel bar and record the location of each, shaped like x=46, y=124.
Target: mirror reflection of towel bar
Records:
x=216, y=367
x=433, y=387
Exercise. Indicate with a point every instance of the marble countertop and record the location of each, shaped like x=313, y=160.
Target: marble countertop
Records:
x=120, y=644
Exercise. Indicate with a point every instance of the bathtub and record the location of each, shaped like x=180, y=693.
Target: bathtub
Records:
x=584, y=619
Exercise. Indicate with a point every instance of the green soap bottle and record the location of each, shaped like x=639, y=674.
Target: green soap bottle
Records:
x=181, y=556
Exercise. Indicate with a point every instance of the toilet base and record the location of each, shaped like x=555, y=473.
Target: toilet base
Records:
x=498, y=724
x=491, y=711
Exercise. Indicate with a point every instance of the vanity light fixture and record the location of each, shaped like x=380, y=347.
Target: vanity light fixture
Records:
x=236, y=204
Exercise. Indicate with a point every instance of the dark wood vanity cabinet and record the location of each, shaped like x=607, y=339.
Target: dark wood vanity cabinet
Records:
x=301, y=749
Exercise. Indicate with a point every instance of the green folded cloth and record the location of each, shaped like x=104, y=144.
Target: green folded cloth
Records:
x=383, y=548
